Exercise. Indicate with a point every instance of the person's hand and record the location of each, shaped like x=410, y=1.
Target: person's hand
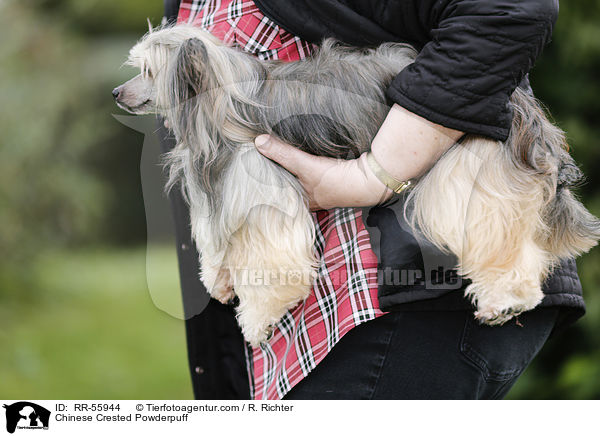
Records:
x=328, y=182
x=406, y=146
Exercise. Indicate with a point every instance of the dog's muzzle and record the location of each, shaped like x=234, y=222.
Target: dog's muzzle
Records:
x=116, y=92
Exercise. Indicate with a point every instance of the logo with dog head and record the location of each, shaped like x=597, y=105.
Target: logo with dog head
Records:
x=26, y=415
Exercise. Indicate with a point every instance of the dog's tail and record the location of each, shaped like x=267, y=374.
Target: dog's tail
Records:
x=574, y=229
x=541, y=146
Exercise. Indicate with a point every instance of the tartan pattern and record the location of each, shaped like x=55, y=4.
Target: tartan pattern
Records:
x=241, y=23
x=344, y=294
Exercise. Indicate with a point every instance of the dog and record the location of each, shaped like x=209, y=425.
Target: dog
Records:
x=505, y=210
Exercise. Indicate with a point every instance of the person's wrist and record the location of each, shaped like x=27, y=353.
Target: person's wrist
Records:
x=384, y=177
x=373, y=185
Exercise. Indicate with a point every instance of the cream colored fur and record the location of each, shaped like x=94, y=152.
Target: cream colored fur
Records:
x=491, y=221
x=504, y=209
x=264, y=248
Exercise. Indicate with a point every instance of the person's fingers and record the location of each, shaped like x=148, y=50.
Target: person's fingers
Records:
x=295, y=161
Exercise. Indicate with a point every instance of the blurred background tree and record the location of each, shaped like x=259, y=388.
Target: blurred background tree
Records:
x=566, y=79
x=76, y=317
x=69, y=171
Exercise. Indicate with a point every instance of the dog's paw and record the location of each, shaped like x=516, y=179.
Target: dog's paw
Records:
x=223, y=294
x=497, y=316
x=218, y=283
x=257, y=323
x=499, y=301
x=258, y=336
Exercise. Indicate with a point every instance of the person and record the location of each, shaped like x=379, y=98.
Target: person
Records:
x=357, y=338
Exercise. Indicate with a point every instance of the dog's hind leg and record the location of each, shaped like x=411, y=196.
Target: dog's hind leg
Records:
x=474, y=204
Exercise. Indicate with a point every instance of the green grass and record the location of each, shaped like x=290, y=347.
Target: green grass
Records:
x=87, y=326
x=90, y=329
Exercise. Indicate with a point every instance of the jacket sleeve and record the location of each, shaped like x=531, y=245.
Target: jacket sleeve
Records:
x=479, y=52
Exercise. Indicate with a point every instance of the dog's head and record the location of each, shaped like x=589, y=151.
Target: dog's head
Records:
x=193, y=80
x=173, y=65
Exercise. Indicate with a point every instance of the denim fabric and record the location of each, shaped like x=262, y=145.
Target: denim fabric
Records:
x=428, y=355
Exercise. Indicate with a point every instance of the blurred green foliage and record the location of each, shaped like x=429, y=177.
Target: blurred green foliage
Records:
x=71, y=204
x=566, y=80
x=68, y=171
x=93, y=333
x=100, y=17
x=76, y=315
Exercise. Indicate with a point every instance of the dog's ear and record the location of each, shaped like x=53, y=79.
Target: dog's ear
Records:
x=190, y=75
x=188, y=78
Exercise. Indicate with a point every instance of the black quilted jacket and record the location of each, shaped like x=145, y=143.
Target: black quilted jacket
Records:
x=473, y=55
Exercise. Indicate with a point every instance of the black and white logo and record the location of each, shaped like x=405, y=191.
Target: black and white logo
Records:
x=26, y=415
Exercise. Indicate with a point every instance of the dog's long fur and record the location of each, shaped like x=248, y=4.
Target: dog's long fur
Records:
x=504, y=209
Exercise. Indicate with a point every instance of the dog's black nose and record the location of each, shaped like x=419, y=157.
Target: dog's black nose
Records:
x=116, y=92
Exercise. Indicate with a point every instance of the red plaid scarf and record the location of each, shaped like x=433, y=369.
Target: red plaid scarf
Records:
x=241, y=23
x=345, y=292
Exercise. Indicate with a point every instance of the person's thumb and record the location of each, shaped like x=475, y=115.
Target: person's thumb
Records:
x=294, y=160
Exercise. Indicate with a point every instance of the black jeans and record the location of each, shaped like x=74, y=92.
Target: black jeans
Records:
x=428, y=355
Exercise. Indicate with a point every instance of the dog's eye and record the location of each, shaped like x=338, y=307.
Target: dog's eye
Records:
x=146, y=72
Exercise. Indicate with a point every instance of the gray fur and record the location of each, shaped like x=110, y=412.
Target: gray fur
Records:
x=218, y=99
x=331, y=104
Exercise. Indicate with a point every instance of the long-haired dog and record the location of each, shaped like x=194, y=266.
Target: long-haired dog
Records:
x=503, y=209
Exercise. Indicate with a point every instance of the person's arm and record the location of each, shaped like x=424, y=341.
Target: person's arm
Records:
x=406, y=146
x=479, y=52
